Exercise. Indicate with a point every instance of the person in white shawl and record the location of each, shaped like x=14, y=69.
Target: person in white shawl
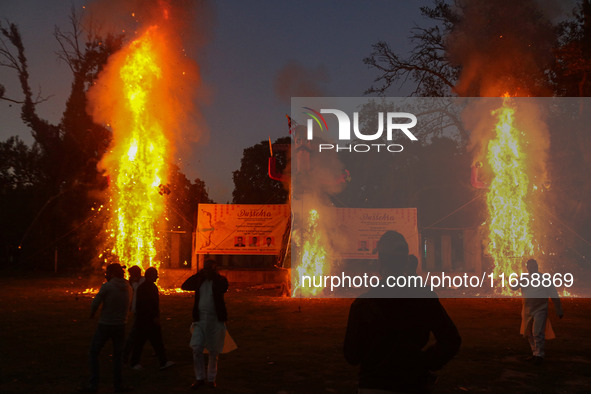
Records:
x=209, y=317
x=535, y=325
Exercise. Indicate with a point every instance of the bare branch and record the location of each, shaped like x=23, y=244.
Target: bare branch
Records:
x=18, y=63
x=7, y=59
x=69, y=43
x=11, y=100
x=394, y=69
x=426, y=65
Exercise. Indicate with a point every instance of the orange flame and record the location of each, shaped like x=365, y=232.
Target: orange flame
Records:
x=145, y=94
x=314, y=256
x=566, y=293
x=510, y=219
x=142, y=164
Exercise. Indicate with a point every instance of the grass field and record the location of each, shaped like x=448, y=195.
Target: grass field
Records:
x=284, y=345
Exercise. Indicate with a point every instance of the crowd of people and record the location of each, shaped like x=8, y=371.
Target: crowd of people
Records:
x=388, y=331
x=140, y=296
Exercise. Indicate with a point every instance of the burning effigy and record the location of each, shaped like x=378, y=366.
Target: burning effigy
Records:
x=508, y=200
x=144, y=95
x=510, y=137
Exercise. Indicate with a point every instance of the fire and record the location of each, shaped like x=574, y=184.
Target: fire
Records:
x=172, y=291
x=145, y=94
x=566, y=293
x=141, y=165
x=314, y=256
x=510, y=220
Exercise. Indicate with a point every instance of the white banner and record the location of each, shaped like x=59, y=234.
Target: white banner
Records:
x=241, y=228
x=363, y=227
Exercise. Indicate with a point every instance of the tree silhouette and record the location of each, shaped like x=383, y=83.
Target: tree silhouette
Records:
x=479, y=48
x=68, y=186
x=427, y=65
x=468, y=46
x=572, y=69
x=252, y=184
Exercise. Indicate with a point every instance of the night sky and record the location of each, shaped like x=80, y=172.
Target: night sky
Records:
x=249, y=44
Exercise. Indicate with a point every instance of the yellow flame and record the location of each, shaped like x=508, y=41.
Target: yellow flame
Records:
x=146, y=95
x=176, y=290
x=314, y=256
x=566, y=293
x=141, y=167
x=510, y=232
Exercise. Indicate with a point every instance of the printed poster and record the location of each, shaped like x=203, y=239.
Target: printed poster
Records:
x=363, y=227
x=241, y=228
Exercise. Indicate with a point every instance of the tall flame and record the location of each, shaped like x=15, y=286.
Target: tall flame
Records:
x=146, y=94
x=510, y=218
x=314, y=255
x=141, y=165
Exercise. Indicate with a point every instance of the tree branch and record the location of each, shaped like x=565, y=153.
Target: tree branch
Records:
x=426, y=65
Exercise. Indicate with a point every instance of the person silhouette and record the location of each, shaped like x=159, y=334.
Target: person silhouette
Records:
x=388, y=330
x=114, y=296
x=209, y=317
x=534, y=313
x=147, y=321
x=135, y=279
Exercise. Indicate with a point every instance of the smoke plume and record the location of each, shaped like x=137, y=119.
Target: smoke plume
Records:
x=295, y=80
x=502, y=47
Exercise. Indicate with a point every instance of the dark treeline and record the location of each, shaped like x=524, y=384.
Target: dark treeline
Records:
x=53, y=200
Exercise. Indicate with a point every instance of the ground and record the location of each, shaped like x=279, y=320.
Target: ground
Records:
x=285, y=345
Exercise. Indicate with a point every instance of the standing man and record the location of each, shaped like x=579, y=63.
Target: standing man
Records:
x=389, y=328
x=135, y=279
x=534, y=313
x=147, y=321
x=114, y=296
x=209, y=315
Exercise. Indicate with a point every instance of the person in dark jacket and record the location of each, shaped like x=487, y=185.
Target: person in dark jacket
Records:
x=135, y=279
x=147, y=321
x=114, y=297
x=388, y=329
x=209, y=315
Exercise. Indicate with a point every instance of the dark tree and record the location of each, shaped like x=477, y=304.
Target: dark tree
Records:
x=67, y=193
x=433, y=175
x=570, y=161
x=63, y=206
x=21, y=180
x=472, y=48
x=20, y=166
x=571, y=73
x=252, y=184
x=184, y=198
x=486, y=48
x=427, y=65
